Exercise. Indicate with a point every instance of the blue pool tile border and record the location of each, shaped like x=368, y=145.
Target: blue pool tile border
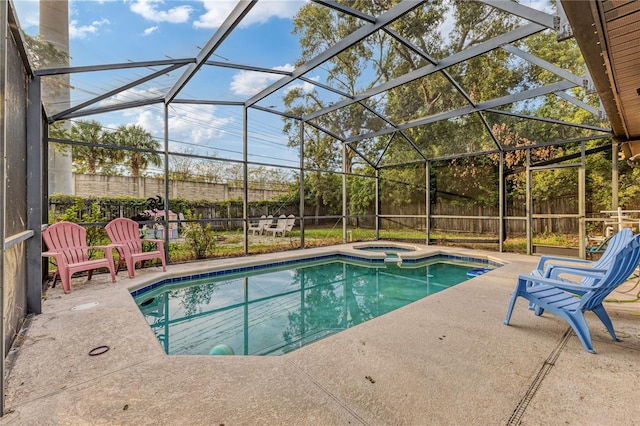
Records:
x=333, y=256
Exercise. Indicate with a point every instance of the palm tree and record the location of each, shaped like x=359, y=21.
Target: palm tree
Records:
x=136, y=136
x=89, y=157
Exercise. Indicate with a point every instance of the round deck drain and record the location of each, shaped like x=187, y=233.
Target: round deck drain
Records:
x=85, y=306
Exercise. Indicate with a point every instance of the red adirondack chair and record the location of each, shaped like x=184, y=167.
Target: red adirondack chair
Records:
x=126, y=234
x=67, y=244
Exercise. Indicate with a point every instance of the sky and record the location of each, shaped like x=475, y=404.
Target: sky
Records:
x=117, y=31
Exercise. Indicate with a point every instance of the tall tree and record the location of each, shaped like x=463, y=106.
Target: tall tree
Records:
x=182, y=167
x=88, y=158
x=233, y=175
x=269, y=178
x=481, y=78
x=135, y=136
x=351, y=72
x=210, y=171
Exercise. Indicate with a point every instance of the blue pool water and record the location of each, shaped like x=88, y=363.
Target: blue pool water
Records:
x=273, y=311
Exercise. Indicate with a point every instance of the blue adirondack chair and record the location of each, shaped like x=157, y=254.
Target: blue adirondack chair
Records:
x=551, y=270
x=615, y=244
x=590, y=251
x=570, y=300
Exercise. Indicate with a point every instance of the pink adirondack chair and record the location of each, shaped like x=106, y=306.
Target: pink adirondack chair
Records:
x=126, y=234
x=67, y=244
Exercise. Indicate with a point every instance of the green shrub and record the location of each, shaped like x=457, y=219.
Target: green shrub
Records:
x=200, y=238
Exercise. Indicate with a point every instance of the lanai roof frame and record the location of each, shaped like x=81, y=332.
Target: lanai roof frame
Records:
x=538, y=21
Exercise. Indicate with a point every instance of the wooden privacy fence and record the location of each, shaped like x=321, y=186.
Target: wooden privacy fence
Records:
x=476, y=219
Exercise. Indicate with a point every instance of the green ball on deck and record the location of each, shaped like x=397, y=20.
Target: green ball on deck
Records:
x=221, y=350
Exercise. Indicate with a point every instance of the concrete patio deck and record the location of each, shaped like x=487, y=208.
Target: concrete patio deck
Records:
x=444, y=360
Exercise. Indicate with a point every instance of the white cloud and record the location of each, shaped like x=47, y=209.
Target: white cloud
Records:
x=76, y=32
x=216, y=13
x=149, y=9
x=196, y=125
x=218, y=10
x=151, y=121
x=150, y=30
x=248, y=83
x=193, y=124
x=305, y=86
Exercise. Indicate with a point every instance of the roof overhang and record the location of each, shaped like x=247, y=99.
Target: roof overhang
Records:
x=608, y=33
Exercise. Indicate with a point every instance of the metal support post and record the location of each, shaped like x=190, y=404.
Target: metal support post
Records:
x=344, y=193
x=501, y=203
x=529, y=201
x=301, y=184
x=245, y=180
x=377, y=204
x=427, y=182
x=615, y=175
x=166, y=182
x=582, y=184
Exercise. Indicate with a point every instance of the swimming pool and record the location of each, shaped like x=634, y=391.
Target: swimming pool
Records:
x=272, y=310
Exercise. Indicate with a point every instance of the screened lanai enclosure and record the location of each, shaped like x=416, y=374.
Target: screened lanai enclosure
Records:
x=472, y=123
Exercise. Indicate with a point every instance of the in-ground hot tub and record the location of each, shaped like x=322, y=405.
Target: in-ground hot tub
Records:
x=391, y=250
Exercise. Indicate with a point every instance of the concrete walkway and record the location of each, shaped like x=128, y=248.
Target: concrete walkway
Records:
x=444, y=360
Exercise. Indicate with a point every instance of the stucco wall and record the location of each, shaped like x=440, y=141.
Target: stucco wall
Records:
x=144, y=187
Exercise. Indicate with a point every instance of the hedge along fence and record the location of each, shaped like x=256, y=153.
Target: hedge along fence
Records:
x=114, y=207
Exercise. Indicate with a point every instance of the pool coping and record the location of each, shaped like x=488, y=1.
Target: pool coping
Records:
x=350, y=252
